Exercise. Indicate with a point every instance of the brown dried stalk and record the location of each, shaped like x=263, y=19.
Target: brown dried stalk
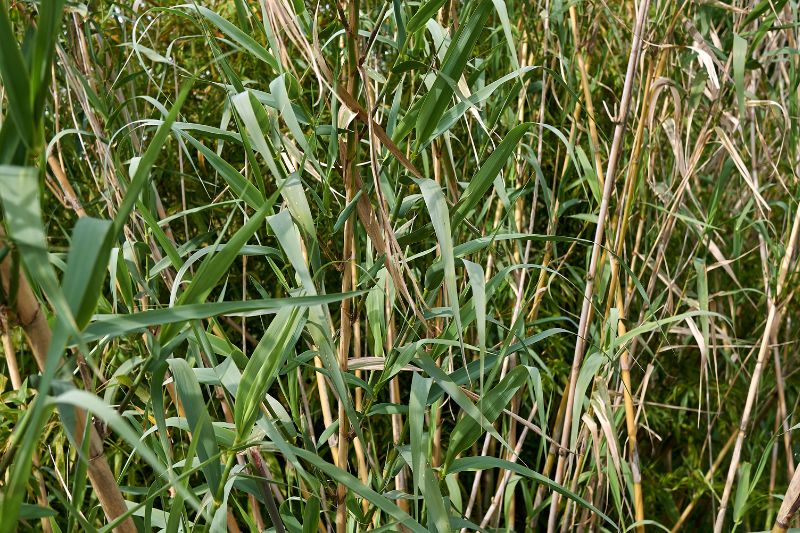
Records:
x=583, y=327
x=763, y=351
x=37, y=332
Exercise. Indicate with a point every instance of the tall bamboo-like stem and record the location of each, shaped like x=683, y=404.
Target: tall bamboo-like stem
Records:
x=782, y=409
x=630, y=422
x=37, y=332
x=511, y=362
x=261, y=470
x=625, y=359
x=615, y=295
x=10, y=353
x=358, y=446
x=348, y=257
x=587, y=93
x=344, y=342
x=394, y=397
x=583, y=326
x=497, y=500
x=550, y=461
x=580, y=459
x=773, y=470
x=763, y=351
x=791, y=502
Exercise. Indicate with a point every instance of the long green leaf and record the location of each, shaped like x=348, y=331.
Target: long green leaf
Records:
x=86, y=267
x=466, y=464
x=440, y=218
x=117, y=325
x=261, y=369
x=467, y=430
x=353, y=484
x=16, y=80
x=437, y=100
x=235, y=33
x=197, y=416
x=423, y=14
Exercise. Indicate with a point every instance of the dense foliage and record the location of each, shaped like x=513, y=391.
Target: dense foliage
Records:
x=428, y=265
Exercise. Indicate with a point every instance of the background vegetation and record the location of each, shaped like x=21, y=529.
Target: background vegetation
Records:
x=378, y=265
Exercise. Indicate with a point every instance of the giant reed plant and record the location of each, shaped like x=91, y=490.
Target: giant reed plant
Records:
x=432, y=265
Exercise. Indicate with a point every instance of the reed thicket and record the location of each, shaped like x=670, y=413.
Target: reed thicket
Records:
x=436, y=265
